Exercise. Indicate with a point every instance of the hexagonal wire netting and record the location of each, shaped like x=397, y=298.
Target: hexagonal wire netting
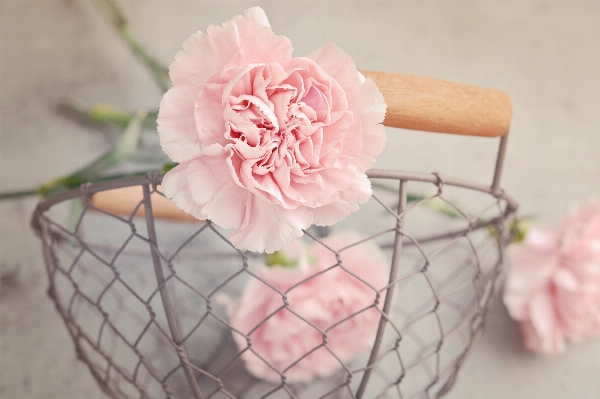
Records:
x=140, y=296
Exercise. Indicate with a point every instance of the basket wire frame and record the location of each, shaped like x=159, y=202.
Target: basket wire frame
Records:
x=139, y=296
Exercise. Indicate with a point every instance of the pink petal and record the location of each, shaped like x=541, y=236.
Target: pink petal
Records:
x=270, y=227
x=264, y=47
x=551, y=345
x=543, y=239
x=205, y=55
x=208, y=115
x=366, y=260
x=255, y=301
x=543, y=331
x=333, y=136
x=337, y=180
x=213, y=187
x=567, y=280
x=176, y=187
x=370, y=110
x=542, y=313
x=254, y=15
x=371, y=106
x=533, y=262
x=340, y=66
x=316, y=101
x=342, y=185
x=268, y=186
x=347, y=202
x=359, y=191
x=332, y=213
x=353, y=143
x=530, y=272
x=176, y=126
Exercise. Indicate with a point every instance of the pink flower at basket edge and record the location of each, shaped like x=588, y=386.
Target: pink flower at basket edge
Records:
x=267, y=144
x=325, y=300
x=553, y=286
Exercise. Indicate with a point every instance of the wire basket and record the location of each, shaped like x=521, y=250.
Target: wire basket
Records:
x=141, y=295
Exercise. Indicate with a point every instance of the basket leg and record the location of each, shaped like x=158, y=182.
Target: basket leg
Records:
x=387, y=306
x=165, y=298
x=499, y=164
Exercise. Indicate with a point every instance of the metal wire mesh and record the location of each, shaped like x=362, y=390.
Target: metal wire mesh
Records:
x=140, y=296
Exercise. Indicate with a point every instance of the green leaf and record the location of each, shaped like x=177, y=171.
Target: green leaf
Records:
x=168, y=166
x=124, y=147
x=519, y=228
x=278, y=258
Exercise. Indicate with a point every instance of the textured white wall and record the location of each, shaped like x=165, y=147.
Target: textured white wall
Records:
x=545, y=55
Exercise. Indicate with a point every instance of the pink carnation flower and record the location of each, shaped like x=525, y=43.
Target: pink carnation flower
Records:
x=553, y=287
x=336, y=302
x=267, y=144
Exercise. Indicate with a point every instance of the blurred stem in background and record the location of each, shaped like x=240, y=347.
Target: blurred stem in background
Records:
x=132, y=123
x=517, y=228
x=159, y=72
x=103, y=114
x=96, y=170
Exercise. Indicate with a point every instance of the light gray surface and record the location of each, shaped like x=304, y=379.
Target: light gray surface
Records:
x=545, y=55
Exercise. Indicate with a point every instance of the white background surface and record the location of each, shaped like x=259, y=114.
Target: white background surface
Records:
x=545, y=55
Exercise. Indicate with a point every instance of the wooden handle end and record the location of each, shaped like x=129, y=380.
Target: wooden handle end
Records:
x=446, y=107
x=123, y=201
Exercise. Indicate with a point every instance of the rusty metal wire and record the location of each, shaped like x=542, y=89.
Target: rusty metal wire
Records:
x=138, y=295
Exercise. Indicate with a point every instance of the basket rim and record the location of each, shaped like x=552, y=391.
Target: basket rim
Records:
x=155, y=178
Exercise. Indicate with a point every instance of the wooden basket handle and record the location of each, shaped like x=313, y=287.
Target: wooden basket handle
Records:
x=434, y=105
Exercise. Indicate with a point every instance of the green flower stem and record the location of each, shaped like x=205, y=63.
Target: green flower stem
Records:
x=159, y=72
x=102, y=114
x=124, y=147
x=18, y=194
x=93, y=172
x=68, y=183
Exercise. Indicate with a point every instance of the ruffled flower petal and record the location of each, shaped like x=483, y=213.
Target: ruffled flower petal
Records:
x=222, y=200
x=176, y=125
x=269, y=227
x=340, y=66
x=371, y=108
x=175, y=185
x=208, y=115
x=254, y=15
x=204, y=55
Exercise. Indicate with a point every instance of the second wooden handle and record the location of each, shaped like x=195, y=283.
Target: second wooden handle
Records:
x=434, y=105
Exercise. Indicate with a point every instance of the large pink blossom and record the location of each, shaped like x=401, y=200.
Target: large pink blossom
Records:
x=267, y=144
x=553, y=286
x=329, y=318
